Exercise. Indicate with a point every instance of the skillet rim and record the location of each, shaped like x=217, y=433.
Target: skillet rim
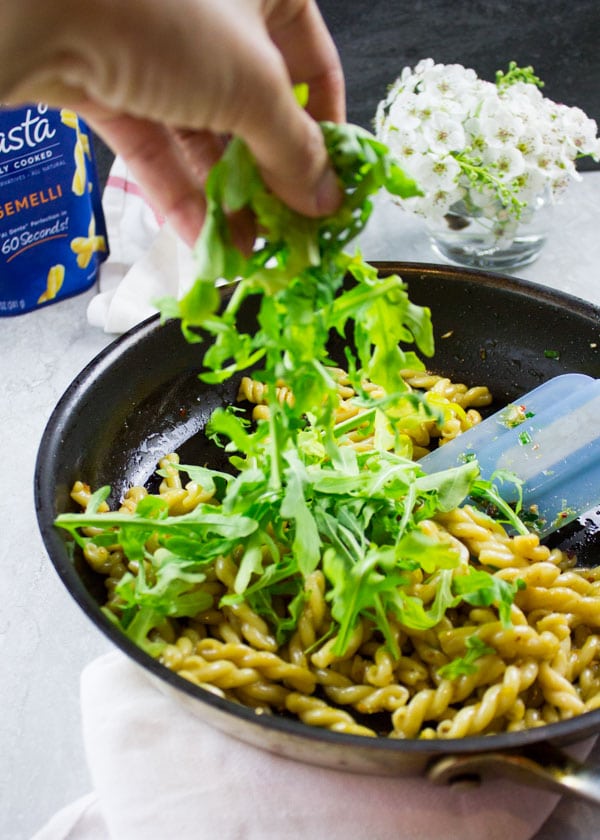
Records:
x=566, y=731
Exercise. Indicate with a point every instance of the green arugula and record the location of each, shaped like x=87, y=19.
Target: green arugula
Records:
x=465, y=665
x=299, y=498
x=487, y=494
x=481, y=589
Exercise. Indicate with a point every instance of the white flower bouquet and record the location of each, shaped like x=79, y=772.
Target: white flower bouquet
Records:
x=490, y=150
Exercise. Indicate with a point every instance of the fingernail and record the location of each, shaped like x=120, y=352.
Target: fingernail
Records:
x=187, y=218
x=328, y=193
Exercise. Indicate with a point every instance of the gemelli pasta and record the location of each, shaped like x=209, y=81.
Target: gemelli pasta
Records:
x=471, y=672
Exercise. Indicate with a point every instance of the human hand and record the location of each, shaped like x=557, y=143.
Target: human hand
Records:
x=164, y=85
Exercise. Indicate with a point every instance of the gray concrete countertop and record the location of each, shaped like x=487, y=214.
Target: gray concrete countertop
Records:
x=45, y=639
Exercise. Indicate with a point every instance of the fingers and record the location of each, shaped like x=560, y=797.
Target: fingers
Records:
x=289, y=148
x=171, y=168
x=224, y=71
x=286, y=142
x=207, y=67
x=299, y=32
x=171, y=184
x=295, y=165
x=201, y=150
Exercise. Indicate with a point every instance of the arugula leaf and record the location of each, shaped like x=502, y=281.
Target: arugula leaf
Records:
x=168, y=587
x=452, y=486
x=481, y=589
x=293, y=246
x=306, y=543
x=169, y=591
x=486, y=493
x=262, y=602
x=211, y=481
x=465, y=665
x=96, y=499
x=427, y=554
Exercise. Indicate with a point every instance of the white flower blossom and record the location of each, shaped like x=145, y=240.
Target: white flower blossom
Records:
x=498, y=148
x=435, y=172
x=405, y=144
x=498, y=124
x=507, y=162
x=443, y=133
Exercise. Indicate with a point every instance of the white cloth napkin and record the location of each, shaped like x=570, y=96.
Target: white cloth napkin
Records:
x=159, y=771
x=147, y=260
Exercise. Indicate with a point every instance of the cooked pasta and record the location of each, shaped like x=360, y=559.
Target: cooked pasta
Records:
x=458, y=406
x=544, y=666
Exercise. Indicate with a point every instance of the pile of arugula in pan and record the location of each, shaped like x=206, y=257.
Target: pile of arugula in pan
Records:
x=295, y=489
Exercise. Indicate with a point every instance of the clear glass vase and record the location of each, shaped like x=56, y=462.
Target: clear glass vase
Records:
x=490, y=237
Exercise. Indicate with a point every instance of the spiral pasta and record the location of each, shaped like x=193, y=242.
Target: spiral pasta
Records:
x=457, y=403
x=542, y=667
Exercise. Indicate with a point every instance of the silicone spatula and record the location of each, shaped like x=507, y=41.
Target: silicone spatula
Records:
x=549, y=438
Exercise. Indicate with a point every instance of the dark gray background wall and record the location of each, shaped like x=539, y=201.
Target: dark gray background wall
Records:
x=377, y=38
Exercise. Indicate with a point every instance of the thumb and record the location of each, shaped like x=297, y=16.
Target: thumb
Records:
x=290, y=151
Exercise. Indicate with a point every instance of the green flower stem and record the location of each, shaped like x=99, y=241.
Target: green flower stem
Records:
x=517, y=74
x=480, y=176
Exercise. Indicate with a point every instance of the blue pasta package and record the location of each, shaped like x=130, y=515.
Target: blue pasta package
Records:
x=52, y=230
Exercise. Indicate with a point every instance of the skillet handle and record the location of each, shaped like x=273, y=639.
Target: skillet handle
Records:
x=543, y=766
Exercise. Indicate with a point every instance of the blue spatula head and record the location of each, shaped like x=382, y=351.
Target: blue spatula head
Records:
x=549, y=438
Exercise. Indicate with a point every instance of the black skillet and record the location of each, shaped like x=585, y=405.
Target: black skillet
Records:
x=141, y=398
